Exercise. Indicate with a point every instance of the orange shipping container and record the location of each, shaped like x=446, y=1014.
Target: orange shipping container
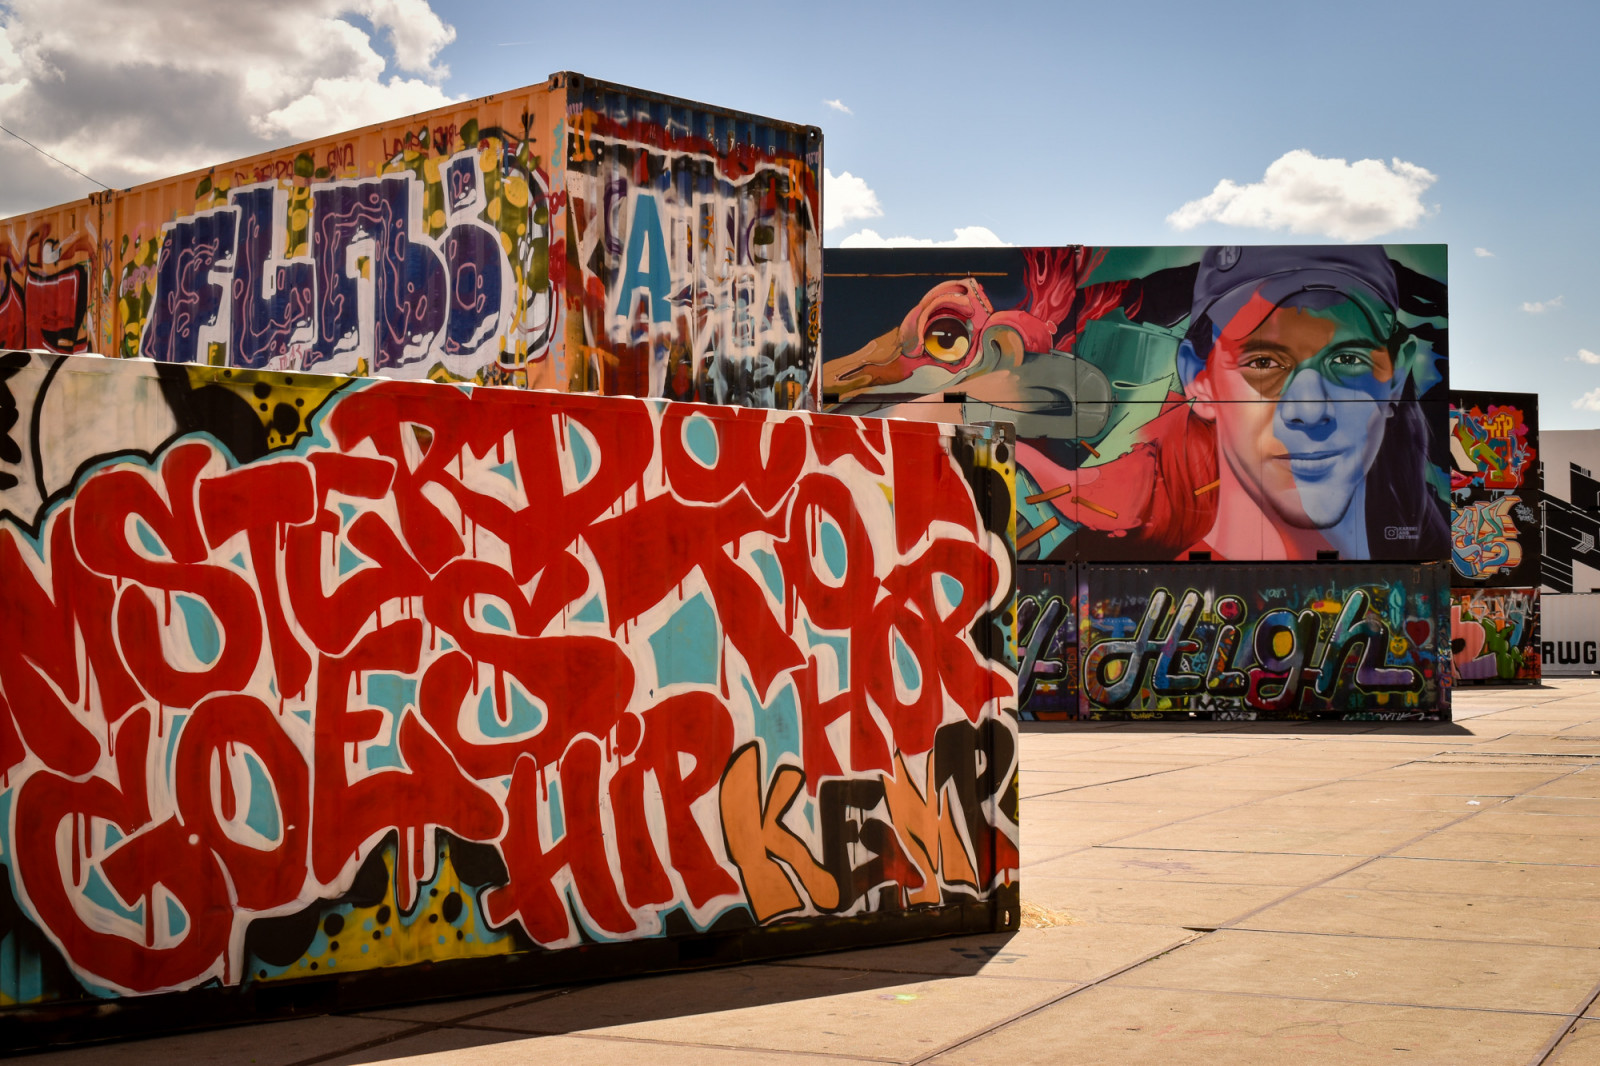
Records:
x=575, y=235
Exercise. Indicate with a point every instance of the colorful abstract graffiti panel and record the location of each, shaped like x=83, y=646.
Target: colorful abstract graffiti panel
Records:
x=1340, y=640
x=1047, y=641
x=1494, y=635
x=47, y=292
x=1250, y=403
x=700, y=265
x=572, y=235
x=1496, y=495
x=303, y=675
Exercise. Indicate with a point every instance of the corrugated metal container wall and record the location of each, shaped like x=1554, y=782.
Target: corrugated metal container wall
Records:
x=405, y=691
x=49, y=261
x=695, y=241
x=687, y=256
x=1221, y=641
x=1570, y=638
x=409, y=249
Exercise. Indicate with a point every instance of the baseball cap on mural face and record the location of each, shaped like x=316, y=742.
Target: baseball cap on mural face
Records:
x=1231, y=274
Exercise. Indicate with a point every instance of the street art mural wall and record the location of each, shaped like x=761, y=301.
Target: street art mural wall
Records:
x=1494, y=635
x=574, y=235
x=1230, y=403
x=303, y=675
x=1494, y=485
x=1496, y=537
x=1345, y=641
x=1047, y=641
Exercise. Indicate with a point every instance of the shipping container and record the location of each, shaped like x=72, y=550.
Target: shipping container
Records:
x=1135, y=444
x=1569, y=635
x=1495, y=635
x=575, y=235
x=325, y=692
x=1353, y=641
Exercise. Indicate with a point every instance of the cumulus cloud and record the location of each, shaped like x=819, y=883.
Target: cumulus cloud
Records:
x=839, y=105
x=1589, y=401
x=966, y=237
x=1586, y=356
x=1304, y=193
x=1539, y=307
x=142, y=89
x=845, y=199
x=1483, y=253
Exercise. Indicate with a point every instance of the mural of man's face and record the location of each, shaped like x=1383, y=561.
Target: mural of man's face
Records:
x=1300, y=396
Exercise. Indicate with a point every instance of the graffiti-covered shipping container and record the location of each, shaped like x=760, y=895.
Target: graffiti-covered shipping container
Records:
x=1047, y=641
x=1496, y=537
x=1226, y=403
x=1348, y=641
x=317, y=691
x=1494, y=635
x=575, y=235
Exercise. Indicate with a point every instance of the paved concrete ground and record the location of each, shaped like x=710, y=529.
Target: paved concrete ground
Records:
x=1237, y=893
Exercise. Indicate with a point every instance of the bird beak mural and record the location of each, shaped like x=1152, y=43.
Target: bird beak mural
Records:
x=1003, y=363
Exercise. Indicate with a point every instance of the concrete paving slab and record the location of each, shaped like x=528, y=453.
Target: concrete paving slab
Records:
x=1412, y=972
x=1584, y=784
x=1191, y=904
x=1107, y=1025
x=456, y=1010
x=1363, y=794
x=1213, y=867
x=1309, y=839
x=1462, y=842
x=482, y=1047
x=1558, y=806
x=275, y=1044
x=786, y=1008
x=1083, y=952
x=1435, y=915
x=1491, y=878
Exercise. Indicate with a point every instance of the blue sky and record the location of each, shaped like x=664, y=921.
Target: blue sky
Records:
x=1041, y=123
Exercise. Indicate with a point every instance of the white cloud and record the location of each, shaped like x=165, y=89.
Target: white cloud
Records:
x=146, y=88
x=966, y=237
x=1586, y=356
x=1303, y=193
x=845, y=199
x=1589, y=401
x=839, y=105
x=1483, y=253
x=1539, y=307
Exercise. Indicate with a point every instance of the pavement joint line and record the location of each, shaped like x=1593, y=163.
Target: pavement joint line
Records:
x=368, y=1045
x=1406, y=939
x=1047, y=1004
x=1348, y=1002
x=657, y=1042
x=1566, y=1030
x=418, y=1028
x=941, y=975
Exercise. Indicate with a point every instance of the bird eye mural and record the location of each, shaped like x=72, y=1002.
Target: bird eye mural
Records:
x=1242, y=403
x=304, y=676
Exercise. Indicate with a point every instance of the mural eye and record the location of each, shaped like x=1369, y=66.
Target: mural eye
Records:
x=947, y=339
